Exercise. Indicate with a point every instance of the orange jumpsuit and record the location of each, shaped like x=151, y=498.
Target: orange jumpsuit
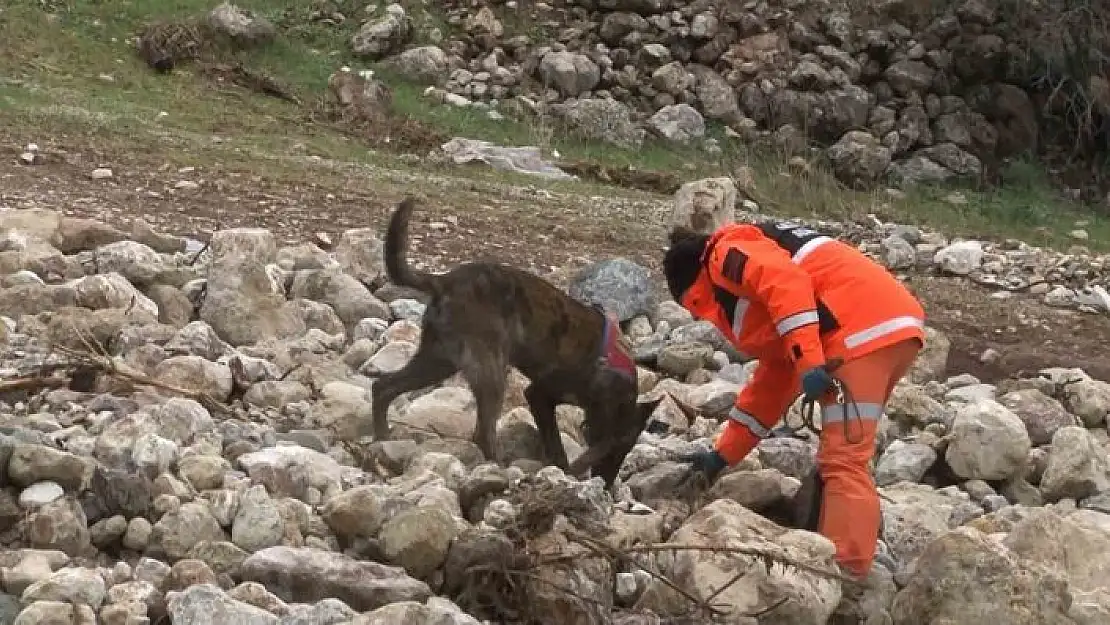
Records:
x=795, y=299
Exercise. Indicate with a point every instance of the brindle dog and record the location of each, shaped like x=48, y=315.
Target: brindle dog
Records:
x=483, y=317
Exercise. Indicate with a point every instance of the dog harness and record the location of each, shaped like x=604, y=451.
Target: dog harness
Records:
x=614, y=352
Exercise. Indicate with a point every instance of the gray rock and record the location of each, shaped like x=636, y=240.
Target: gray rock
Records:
x=909, y=76
x=50, y=613
x=70, y=585
x=355, y=513
x=29, y=464
x=680, y=359
x=417, y=540
x=379, y=38
x=276, y=394
x=618, y=285
x=259, y=523
x=904, y=461
x=897, y=253
x=1078, y=466
x=290, y=470
x=112, y=291
x=965, y=573
x=9, y=609
x=308, y=575
x=717, y=97
x=359, y=254
x=61, y=525
x=326, y=612
x=197, y=375
x=241, y=302
x=678, y=122
x=346, y=295
x=38, y=495
x=206, y=604
x=197, y=338
x=136, y=262
x=1089, y=400
x=240, y=25
x=988, y=442
x=960, y=258
x=423, y=64
x=601, y=120
x=177, y=531
x=1042, y=415
x=569, y=72
x=858, y=158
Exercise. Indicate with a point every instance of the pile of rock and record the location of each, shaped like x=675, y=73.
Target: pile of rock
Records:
x=230, y=492
x=901, y=97
x=1075, y=279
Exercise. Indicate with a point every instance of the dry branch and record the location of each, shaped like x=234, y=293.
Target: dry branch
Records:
x=95, y=357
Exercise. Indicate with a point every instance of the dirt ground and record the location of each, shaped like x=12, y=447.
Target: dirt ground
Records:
x=551, y=231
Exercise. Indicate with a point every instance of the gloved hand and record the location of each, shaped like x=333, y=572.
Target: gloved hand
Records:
x=815, y=383
x=709, y=463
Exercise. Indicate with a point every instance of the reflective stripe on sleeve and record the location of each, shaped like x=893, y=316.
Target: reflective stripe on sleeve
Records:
x=795, y=321
x=738, y=314
x=747, y=420
x=808, y=248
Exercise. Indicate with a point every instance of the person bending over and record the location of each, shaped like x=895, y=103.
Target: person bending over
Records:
x=805, y=306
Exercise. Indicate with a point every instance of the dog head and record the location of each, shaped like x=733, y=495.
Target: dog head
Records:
x=611, y=436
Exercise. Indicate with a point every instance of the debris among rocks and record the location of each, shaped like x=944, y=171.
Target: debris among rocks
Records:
x=526, y=159
x=208, y=470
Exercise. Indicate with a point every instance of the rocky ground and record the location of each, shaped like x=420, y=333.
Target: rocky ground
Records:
x=191, y=324
x=178, y=424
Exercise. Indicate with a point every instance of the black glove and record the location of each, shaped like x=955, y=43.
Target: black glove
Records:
x=709, y=463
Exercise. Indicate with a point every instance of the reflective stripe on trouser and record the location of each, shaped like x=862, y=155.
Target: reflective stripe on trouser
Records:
x=742, y=433
x=850, y=511
x=769, y=392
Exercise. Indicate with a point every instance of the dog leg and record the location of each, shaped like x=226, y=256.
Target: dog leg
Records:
x=543, y=412
x=424, y=369
x=485, y=373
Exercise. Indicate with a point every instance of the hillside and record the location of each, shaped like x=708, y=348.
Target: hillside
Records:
x=165, y=123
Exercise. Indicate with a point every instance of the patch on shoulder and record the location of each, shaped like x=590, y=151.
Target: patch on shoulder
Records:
x=733, y=266
x=616, y=349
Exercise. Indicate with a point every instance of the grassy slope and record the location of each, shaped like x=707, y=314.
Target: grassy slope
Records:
x=54, y=63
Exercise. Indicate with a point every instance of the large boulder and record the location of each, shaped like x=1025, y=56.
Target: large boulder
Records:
x=967, y=577
x=810, y=597
x=242, y=302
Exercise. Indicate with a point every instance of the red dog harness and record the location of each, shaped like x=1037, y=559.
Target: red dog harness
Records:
x=614, y=354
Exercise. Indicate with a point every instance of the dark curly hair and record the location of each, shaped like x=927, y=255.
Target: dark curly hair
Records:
x=682, y=262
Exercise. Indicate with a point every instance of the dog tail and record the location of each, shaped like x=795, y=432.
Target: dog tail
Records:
x=397, y=267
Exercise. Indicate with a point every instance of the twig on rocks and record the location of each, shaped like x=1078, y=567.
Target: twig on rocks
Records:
x=613, y=554
x=42, y=378
x=96, y=357
x=204, y=248
x=766, y=555
x=36, y=382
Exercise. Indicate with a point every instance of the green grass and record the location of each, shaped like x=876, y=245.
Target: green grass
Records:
x=52, y=63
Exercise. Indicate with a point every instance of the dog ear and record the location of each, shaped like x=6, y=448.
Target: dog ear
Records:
x=681, y=234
